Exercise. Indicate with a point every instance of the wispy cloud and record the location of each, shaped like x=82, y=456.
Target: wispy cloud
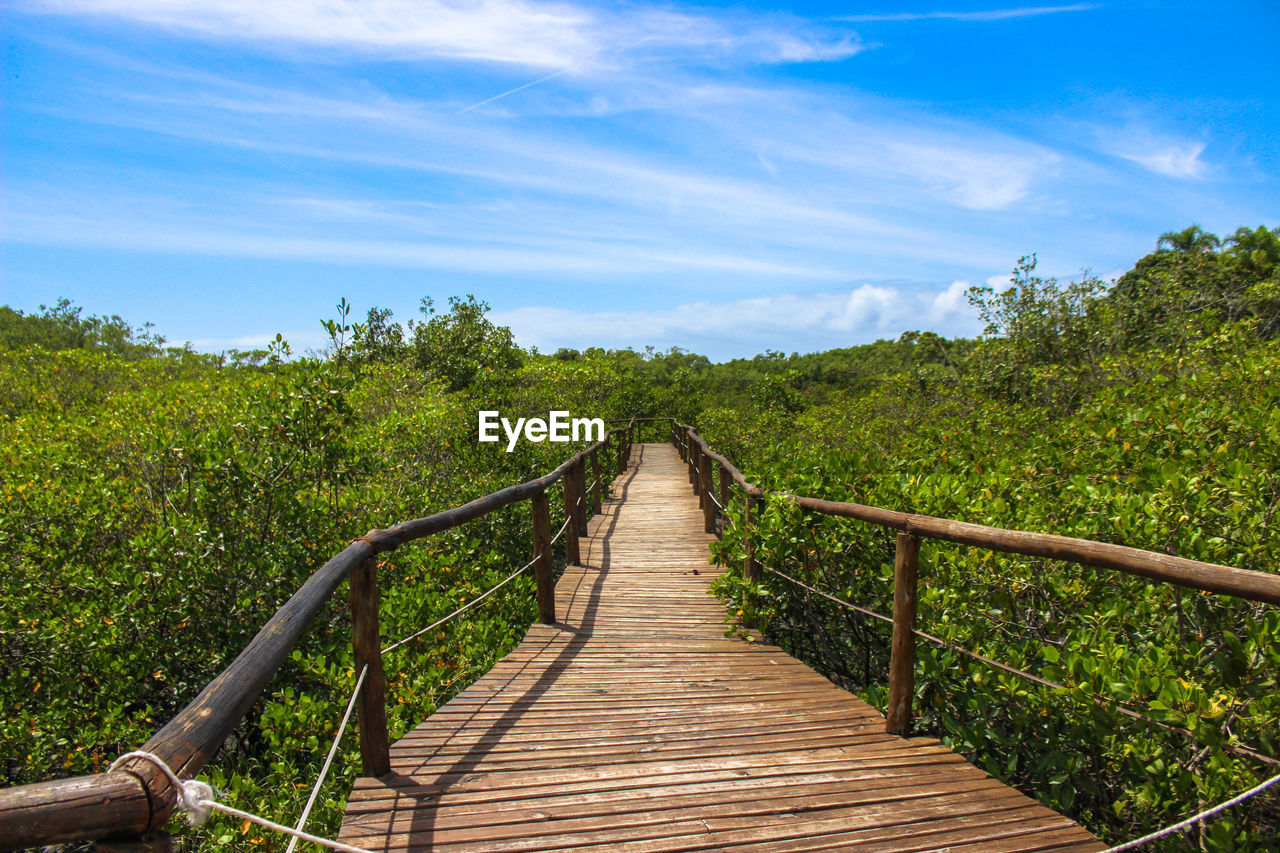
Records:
x=507, y=31
x=988, y=15
x=1140, y=140
x=571, y=198
x=558, y=35
x=1174, y=159
x=631, y=153
x=745, y=326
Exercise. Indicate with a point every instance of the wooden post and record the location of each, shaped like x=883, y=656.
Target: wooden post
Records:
x=580, y=484
x=902, y=660
x=699, y=475
x=372, y=714
x=571, y=551
x=597, y=485
x=725, y=483
x=694, y=453
x=543, y=570
x=750, y=568
x=708, y=505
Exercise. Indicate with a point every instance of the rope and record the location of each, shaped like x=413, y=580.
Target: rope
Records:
x=1098, y=699
x=463, y=609
x=728, y=516
x=333, y=750
x=1196, y=818
x=1130, y=845
x=196, y=799
x=560, y=532
x=863, y=610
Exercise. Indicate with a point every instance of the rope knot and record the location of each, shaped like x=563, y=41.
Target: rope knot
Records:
x=192, y=797
x=196, y=800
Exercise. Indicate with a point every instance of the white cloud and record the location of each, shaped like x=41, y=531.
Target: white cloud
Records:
x=541, y=254
x=976, y=179
x=537, y=34
x=561, y=198
x=640, y=177
x=951, y=305
x=747, y=326
x=988, y=15
x=551, y=35
x=1139, y=140
x=867, y=308
x=911, y=154
x=1177, y=160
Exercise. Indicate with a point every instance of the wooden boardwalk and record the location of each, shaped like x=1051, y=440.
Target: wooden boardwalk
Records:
x=636, y=725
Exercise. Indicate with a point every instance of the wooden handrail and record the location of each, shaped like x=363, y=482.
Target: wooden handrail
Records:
x=139, y=800
x=1208, y=577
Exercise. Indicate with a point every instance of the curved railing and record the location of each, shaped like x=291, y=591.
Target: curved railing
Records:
x=137, y=802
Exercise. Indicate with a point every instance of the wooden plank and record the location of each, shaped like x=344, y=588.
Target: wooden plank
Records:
x=635, y=724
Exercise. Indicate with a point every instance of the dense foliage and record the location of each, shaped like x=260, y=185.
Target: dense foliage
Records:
x=157, y=505
x=1060, y=420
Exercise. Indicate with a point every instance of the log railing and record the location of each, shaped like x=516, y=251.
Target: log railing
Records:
x=1208, y=577
x=136, y=803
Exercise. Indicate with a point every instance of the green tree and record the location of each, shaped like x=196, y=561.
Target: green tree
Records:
x=378, y=339
x=62, y=327
x=1189, y=241
x=460, y=345
x=1256, y=251
x=1193, y=283
x=1035, y=324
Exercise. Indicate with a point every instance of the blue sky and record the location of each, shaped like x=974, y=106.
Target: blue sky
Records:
x=728, y=178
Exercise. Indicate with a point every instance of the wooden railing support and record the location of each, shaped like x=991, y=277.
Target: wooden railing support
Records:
x=750, y=566
x=708, y=505
x=725, y=484
x=597, y=485
x=375, y=759
x=902, y=658
x=570, y=491
x=543, y=569
x=580, y=480
x=695, y=459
